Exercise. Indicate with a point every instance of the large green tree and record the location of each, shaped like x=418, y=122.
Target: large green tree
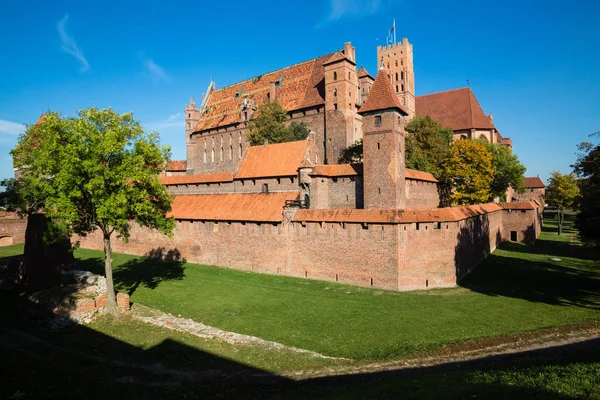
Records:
x=468, y=169
x=427, y=145
x=587, y=168
x=98, y=170
x=269, y=125
x=562, y=192
x=507, y=170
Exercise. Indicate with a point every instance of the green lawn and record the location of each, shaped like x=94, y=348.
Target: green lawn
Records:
x=518, y=288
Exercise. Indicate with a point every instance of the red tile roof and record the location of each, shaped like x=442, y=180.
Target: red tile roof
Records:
x=451, y=214
x=533, y=183
x=259, y=207
x=337, y=170
x=357, y=169
x=298, y=89
x=177, y=165
x=282, y=159
x=337, y=56
x=519, y=205
x=420, y=175
x=362, y=72
x=382, y=96
x=456, y=109
x=192, y=179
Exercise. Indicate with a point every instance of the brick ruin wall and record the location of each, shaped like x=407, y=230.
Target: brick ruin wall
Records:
x=522, y=225
x=12, y=229
x=283, y=184
x=388, y=256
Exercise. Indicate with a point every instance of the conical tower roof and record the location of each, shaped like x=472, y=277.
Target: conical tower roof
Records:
x=382, y=96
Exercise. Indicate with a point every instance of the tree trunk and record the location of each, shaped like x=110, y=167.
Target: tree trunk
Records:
x=111, y=301
x=560, y=217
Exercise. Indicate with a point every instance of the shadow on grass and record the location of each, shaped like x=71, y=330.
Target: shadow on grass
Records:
x=156, y=266
x=528, y=276
x=79, y=362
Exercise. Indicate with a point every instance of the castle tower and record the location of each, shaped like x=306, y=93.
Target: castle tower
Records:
x=384, y=171
x=192, y=116
x=365, y=81
x=341, y=99
x=397, y=59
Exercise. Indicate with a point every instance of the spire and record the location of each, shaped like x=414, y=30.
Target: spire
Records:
x=382, y=96
x=192, y=103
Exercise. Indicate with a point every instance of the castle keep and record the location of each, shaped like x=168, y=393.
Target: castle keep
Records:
x=291, y=209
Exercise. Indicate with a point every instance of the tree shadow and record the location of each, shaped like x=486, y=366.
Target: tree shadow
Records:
x=158, y=265
x=473, y=245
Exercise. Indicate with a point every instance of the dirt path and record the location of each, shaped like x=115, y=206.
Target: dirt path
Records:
x=168, y=321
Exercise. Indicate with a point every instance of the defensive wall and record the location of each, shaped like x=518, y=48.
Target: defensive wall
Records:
x=12, y=228
x=389, y=249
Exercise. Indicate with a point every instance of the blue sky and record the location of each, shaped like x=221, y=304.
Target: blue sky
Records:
x=533, y=64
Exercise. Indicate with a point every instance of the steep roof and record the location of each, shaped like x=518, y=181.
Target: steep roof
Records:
x=382, y=96
x=450, y=214
x=362, y=72
x=338, y=56
x=533, y=183
x=220, y=177
x=300, y=87
x=259, y=207
x=177, y=165
x=456, y=109
x=282, y=159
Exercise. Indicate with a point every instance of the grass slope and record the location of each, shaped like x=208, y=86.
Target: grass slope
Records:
x=518, y=288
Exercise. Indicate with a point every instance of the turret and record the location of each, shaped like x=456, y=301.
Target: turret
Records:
x=384, y=171
x=397, y=58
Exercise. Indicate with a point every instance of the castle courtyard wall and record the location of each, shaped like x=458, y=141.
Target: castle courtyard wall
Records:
x=421, y=195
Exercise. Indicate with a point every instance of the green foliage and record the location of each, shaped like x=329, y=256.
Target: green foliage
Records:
x=468, y=169
x=9, y=198
x=269, y=124
x=587, y=169
x=507, y=170
x=352, y=154
x=97, y=170
x=427, y=145
x=562, y=192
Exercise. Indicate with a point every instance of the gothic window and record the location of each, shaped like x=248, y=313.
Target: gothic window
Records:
x=204, y=156
x=230, y=152
x=402, y=75
x=334, y=76
x=245, y=115
x=335, y=106
x=189, y=115
x=396, y=76
x=378, y=120
x=403, y=87
x=221, y=158
x=212, y=155
x=396, y=88
x=240, y=155
x=334, y=92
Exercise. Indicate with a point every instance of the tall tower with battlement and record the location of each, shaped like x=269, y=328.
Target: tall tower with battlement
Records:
x=192, y=116
x=397, y=59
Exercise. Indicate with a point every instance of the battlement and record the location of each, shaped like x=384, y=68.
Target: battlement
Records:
x=402, y=43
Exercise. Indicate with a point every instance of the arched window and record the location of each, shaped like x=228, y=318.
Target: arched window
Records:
x=396, y=88
x=396, y=76
x=212, y=155
x=334, y=92
x=204, y=156
x=334, y=76
x=221, y=158
x=231, y=152
x=240, y=155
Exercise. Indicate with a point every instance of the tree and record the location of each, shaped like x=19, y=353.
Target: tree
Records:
x=507, y=170
x=562, y=192
x=587, y=168
x=95, y=171
x=468, y=169
x=427, y=145
x=269, y=124
x=352, y=154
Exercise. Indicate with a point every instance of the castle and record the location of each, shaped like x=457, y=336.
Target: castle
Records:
x=290, y=209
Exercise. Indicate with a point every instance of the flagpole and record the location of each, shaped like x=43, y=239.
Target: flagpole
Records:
x=394, y=30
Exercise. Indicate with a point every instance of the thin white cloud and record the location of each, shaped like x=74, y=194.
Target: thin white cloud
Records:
x=172, y=121
x=339, y=9
x=10, y=128
x=69, y=45
x=157, y=72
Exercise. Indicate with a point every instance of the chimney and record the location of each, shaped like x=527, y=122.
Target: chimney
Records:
x=349, y=51
x=272, y=91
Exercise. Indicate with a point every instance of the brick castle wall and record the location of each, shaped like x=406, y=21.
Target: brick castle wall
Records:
x=421, y=195
x=12, y=229
x=388, y=256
